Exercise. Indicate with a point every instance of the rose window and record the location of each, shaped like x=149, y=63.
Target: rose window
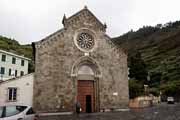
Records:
x=85, y=41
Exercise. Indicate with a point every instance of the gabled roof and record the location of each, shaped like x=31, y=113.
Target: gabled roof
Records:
x=49, y=36
x=68, y=19
x=80, y=12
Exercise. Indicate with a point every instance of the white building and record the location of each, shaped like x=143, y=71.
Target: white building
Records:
x=12, y=65
x=18, y=90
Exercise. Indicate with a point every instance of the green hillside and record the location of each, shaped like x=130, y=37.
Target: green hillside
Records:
x=13, y=46
x=159, y=47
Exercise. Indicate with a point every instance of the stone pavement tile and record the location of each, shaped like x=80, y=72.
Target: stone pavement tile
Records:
x=161, y=112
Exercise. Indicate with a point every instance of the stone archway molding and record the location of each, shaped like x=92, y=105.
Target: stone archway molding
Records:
x=86, y=60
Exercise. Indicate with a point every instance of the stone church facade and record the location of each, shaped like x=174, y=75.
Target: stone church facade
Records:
x=80, y=64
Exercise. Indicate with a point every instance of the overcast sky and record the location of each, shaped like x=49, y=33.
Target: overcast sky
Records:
x=32, y=20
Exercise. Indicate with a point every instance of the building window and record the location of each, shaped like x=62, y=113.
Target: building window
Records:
x=22, y=62
x=13, y=60
x=2, y=70
x=21, y=73
x=10, y=72
x=3, y=58
x=15, y=73
x=12, y=94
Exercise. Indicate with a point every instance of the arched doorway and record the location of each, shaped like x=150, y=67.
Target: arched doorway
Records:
x=85, y=89
x=86, y=74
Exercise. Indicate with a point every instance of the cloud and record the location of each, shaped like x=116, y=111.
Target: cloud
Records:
x=32, y=20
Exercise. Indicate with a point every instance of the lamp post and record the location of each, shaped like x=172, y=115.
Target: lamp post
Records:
x=160, y=93
x=146, y=89
x=148, y=77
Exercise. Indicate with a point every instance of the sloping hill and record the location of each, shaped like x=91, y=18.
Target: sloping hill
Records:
x=160, y=49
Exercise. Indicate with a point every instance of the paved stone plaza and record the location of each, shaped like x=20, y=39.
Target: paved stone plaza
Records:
x=160, y=112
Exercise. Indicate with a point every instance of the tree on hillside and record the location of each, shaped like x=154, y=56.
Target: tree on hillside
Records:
x=136, y=88
x=137, y=68
x=171, y=89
